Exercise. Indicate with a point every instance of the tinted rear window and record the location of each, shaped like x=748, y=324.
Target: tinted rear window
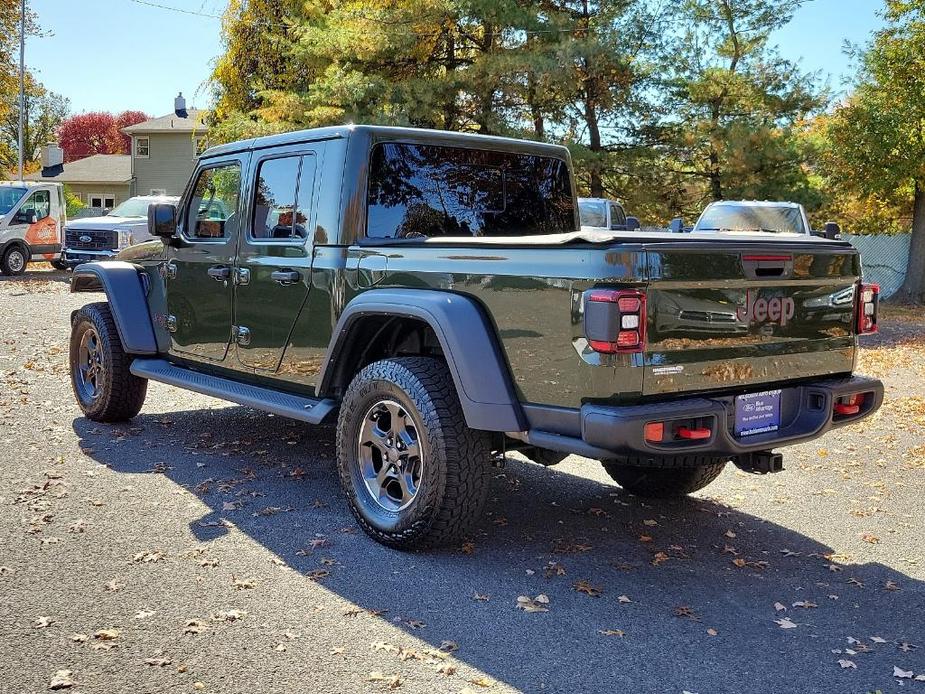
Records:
x=418, y=191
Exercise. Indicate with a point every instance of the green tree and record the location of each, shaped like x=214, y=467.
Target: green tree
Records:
x=44, y=110
x=734, y=105
x=876, y=138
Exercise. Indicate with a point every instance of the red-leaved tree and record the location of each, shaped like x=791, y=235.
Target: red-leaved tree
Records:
x=96, y=132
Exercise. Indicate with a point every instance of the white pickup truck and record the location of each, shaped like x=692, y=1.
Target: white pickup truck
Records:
x=758, y=215
x=101, y=238
x=32, y=216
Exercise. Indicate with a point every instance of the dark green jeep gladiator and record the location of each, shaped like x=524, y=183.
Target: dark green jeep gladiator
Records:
x=432, y=293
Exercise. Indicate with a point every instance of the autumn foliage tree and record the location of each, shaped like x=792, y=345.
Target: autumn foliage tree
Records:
x=97, y=132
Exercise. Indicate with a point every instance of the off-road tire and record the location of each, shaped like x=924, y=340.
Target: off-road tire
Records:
x=8, y=267
x=676, y=476
x=455, y=473
x=119, y=394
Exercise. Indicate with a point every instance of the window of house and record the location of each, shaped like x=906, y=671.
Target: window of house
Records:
x=158, y=191
x=142, y=147
x=213, y=205
x=104, y=201
x=423, y=191
x=283, y=198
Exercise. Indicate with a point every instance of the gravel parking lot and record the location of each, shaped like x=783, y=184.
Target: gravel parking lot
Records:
x=206, y=547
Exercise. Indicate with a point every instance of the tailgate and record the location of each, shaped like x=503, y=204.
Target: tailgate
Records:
x=722, y=314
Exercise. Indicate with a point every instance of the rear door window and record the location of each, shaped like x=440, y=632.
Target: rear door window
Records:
x=422, y=191
x=617, y=215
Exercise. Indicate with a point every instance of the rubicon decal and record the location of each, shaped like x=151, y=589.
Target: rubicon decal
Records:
x=758, y=310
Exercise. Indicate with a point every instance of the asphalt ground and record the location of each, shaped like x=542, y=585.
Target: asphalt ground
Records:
x=205, y=547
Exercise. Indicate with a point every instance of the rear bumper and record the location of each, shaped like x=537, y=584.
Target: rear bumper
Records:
x=807, y=412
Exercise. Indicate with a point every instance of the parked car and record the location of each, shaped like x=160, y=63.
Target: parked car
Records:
x=32, y=216
x=342, y=278
x=102, y=237
x=600, y=213
x=757, y=216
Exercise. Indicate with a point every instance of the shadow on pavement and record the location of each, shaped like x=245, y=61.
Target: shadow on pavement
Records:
x=681, y=583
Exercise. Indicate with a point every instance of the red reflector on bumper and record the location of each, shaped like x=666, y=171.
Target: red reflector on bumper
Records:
x=654, y=431
x=688, y=433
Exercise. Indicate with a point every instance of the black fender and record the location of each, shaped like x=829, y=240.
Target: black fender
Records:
x=477, y=364
x=125, y=291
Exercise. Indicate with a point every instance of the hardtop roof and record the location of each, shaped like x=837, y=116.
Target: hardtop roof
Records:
x=382, y=133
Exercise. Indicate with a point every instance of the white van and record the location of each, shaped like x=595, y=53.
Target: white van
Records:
x=32, y=216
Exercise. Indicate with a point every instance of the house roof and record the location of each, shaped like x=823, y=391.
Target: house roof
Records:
x=170, y=123
x=99, y=168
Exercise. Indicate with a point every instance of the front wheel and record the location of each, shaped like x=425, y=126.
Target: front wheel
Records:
x=105, y=389
x=13, y=261
x=677, y=477
x=414, y=474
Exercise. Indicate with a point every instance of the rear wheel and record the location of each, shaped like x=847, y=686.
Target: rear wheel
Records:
x=676, y=476
x=105, y=389
x=414, y=474
x=13, y=261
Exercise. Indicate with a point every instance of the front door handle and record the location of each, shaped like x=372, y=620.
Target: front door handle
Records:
x=285, y=277
x=220, y=273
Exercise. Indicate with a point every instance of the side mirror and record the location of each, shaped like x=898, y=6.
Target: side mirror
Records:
x=162, y=220
x=632, y=224
x=832, y=230
x=26, y=217
x=676, y=226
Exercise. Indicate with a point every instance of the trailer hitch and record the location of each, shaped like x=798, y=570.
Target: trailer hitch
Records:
x=760, y=462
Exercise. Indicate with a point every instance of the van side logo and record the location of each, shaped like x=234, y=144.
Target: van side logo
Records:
x=757, y=310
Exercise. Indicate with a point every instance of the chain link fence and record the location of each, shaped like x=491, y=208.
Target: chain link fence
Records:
x=883, y=258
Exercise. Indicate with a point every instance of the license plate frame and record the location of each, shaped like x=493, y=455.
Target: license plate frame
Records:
x=757, y=413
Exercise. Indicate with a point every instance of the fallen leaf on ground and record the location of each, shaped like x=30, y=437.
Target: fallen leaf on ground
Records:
x=624, y=599
x=107, y=634
x=157, y=662
x=785, y=623
x=62, y=679
x=528, y=604
x=612, y=632
x=42, y=622
x=586, y=588
x=847, y=664
x=902, y=674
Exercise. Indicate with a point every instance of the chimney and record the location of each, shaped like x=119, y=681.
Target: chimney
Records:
x=52, y=160
x=179, y=106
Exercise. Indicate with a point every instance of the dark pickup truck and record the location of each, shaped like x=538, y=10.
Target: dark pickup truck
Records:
x=432, y=293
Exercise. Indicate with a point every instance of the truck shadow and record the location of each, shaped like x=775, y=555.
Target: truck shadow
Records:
x=687, y=569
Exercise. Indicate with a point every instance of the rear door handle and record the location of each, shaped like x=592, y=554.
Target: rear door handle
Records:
x=220, y=273
x=285, y=277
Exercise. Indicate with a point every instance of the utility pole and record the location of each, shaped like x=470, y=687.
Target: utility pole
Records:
x=22, y=80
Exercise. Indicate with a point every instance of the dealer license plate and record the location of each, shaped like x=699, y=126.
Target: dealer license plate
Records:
x=757, y=413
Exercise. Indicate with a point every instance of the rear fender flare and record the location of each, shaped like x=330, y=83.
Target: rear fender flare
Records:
x=467, y=338
x=126, y=294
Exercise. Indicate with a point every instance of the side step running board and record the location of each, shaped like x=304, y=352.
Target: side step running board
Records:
x=305, y=409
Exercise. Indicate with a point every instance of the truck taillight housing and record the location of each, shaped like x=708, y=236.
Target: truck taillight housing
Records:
x=615, y=320
x=868, y=303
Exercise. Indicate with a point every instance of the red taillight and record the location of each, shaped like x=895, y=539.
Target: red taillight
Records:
x=868, y=304
x=621, y=328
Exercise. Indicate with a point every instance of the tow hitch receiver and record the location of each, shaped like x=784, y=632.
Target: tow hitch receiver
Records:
x=760, y=462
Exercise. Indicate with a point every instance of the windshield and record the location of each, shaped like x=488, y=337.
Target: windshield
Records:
x=133, y=207
x=9, y=196
x=778, y=220
x=593, y=214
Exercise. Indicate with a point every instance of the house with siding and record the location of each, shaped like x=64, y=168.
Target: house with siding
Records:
x=100, y=181
x=164, y=150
